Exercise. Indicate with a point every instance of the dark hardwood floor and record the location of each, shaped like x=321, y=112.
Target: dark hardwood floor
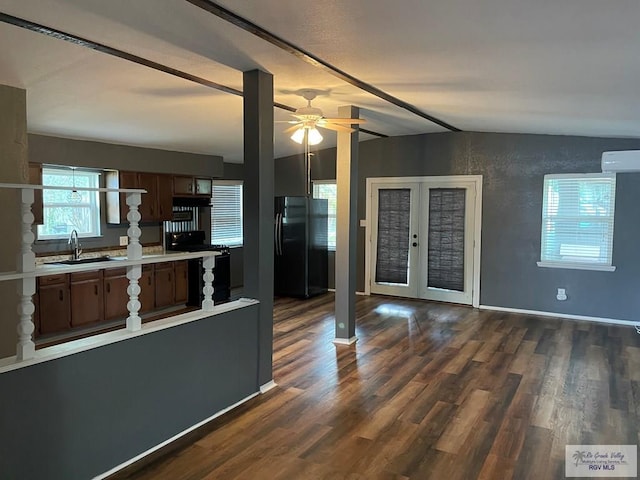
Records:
x=430, y=391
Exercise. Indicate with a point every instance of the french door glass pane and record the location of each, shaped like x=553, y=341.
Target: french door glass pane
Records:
x=392, y=256
x=446, y=238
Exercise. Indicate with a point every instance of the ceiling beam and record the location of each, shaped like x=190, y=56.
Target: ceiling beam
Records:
x=311, y=59
x=83, y=42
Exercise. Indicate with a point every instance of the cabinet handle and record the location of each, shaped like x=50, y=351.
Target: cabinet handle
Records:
x=60, y=295
x=95, y=289
x=149, y=280
x=169, y=277
x=108, y=287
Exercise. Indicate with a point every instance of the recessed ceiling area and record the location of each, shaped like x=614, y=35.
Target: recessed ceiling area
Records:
x=491, y=65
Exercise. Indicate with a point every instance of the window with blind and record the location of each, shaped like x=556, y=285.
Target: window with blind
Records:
x=577, y=221
x=226, y=213
x=328, y=191
x=65, y=211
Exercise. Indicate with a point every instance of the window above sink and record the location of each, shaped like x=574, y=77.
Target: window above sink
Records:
x=65, y=211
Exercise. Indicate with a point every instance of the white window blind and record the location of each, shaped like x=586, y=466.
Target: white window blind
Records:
x=226, y=213
x=577, y=221
x=327, y=189
x=65, y=211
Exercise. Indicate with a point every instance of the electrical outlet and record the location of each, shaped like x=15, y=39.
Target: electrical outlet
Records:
x=124, y=241
x=562, y=294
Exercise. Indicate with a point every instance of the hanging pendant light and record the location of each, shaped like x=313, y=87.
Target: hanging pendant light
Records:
x=74, y=195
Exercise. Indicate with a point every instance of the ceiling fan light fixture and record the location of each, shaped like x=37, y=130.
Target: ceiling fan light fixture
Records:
x=314, y=136
x=298, y=136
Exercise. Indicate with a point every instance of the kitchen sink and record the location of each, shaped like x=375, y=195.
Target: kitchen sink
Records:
x=80, y=261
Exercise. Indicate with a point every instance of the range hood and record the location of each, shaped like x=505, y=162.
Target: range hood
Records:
x=192, y=201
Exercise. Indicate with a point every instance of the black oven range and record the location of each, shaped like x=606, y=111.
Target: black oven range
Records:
x=194, y=241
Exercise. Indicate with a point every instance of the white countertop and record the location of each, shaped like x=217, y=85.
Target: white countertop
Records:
x=115, y=262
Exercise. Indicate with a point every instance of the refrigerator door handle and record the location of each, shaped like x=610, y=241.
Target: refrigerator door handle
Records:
x=275, y=233
x=280, y=234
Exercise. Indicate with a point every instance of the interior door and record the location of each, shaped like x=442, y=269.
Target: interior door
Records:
x=447, y=241
x=394, y=241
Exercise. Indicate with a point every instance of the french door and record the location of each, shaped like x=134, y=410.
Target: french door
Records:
x=423, y=237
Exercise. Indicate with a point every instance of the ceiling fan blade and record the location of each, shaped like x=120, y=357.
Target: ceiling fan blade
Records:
x=292, y=129
x=286, y=121
x=344, y=120
x=337, y=128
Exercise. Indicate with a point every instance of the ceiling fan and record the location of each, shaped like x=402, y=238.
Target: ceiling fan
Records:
x=309, y=119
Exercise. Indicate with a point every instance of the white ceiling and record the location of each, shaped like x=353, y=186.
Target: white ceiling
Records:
x=569, y=67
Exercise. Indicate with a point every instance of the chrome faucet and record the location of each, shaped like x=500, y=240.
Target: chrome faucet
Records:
x=75, y=244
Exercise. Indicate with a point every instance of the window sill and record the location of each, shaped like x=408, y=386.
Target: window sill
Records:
x=577, y=266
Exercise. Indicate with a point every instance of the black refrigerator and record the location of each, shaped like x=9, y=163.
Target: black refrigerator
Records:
x=300, y=237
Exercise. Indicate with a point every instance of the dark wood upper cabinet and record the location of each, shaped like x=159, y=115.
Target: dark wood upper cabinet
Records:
x=156, y=205
x=183, y=186
x=165, y=197
x=35, y=178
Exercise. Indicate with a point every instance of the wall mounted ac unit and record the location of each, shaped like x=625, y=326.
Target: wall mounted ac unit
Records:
x=622, y=161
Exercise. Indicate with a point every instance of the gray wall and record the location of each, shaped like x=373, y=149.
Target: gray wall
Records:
x=82, y=153
x=81, y=415
x=513, y=166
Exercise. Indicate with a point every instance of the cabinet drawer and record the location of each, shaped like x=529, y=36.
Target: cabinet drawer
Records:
x=164, y=265
x=82, y=276
x=53, y=279
x=115, y=272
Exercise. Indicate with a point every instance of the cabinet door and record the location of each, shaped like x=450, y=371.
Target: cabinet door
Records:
x=87, y=305
x=165, y=197
x=149, y=207
x=35, y=178
x=183, y=185
x=36, y=315
x=165, y=284
x=53, y=300
x=182, y=282
x=147, y=289
x=115, y=295
x=203, y=186
x=127, y=180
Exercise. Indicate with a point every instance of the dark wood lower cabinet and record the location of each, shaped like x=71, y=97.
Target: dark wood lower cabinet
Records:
x=78, y=299
x=87, y=304
x=147, y=289
x=54, y=307
x=165, y=284
x=115, y=293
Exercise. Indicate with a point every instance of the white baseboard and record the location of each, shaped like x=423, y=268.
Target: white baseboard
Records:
x=612, y=321
x=174, y=438
x=357, y=293
x=268, y=386
x=345, y=341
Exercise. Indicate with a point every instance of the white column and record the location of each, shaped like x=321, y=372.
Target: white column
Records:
x=26, y=262
x=134, y=252
x=208, y=263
